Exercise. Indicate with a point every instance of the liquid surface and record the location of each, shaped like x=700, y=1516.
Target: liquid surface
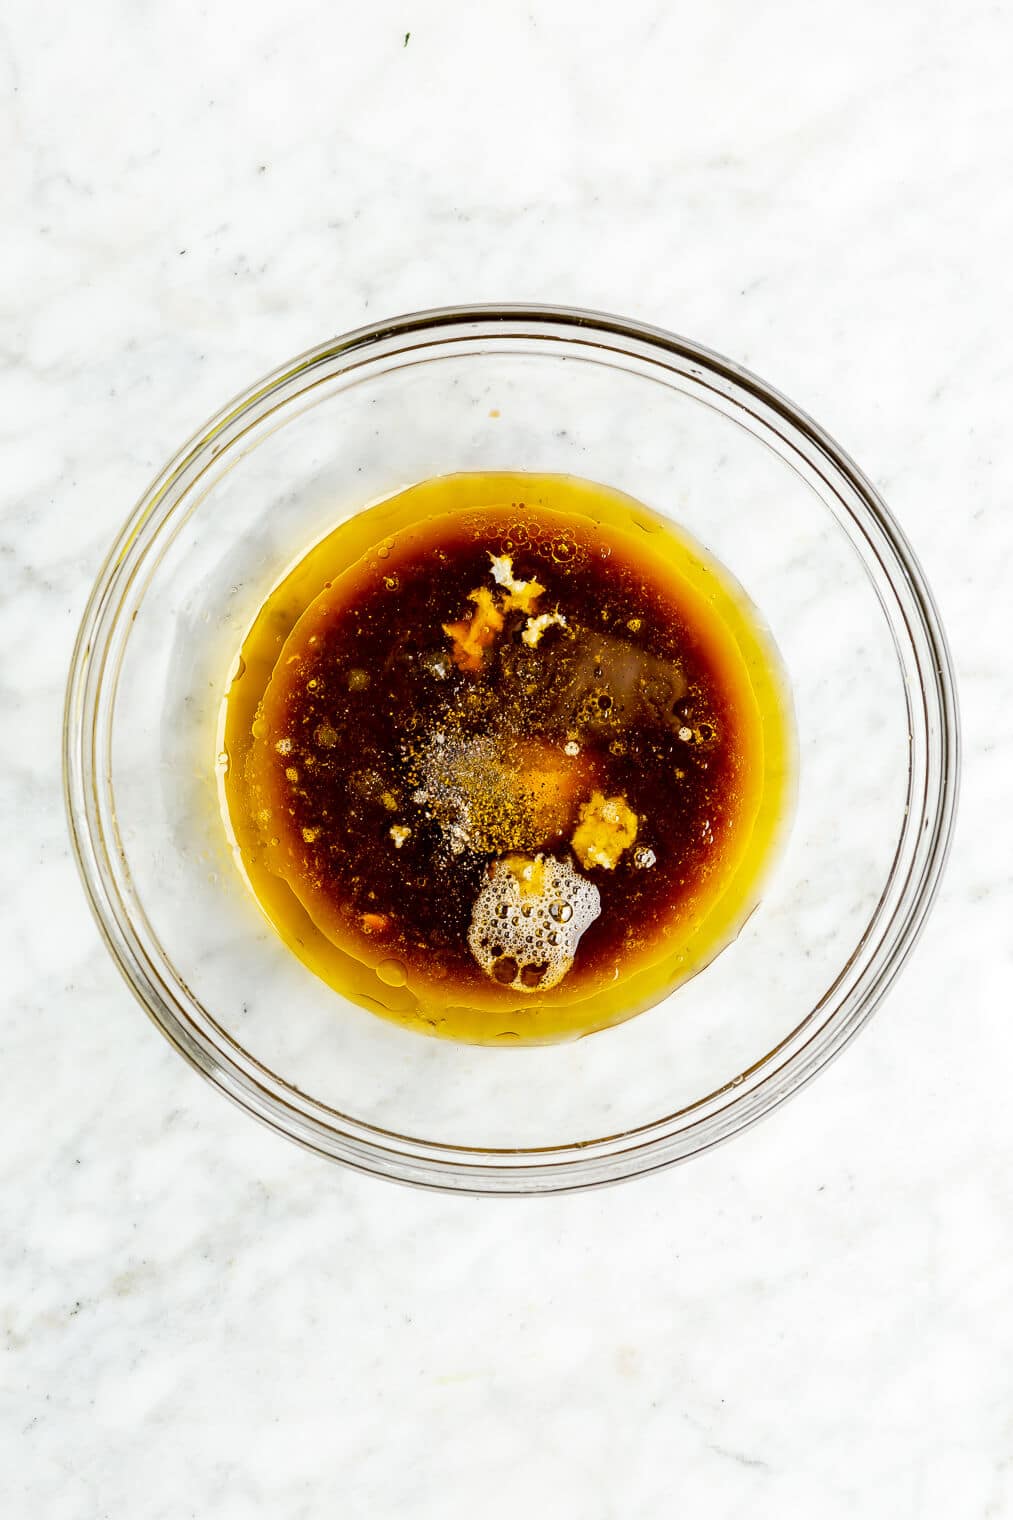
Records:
x=506, y=758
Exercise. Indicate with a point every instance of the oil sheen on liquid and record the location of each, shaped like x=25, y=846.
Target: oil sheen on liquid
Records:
x=508, y=758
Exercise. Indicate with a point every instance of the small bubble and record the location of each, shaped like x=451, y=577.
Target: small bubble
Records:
x=685, y=734
x=392, y=973
x=259, y=728
x=571, y=748
x=223, y=757
x=560, y=911
x=504, y=969
x=383, y=552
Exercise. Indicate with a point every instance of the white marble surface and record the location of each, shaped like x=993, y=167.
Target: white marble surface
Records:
x=201, y=1320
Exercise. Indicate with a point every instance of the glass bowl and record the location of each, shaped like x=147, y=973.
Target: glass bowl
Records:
x=553, y=391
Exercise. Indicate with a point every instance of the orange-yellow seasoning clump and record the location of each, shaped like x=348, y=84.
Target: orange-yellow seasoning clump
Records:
x=528, y=871
x=375, y=923
x=607, y=827
x=521, y=595
x=473, y=636
x=524, y=596
x=536, y=626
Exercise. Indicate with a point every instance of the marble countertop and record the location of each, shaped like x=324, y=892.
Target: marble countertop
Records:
x=200, y=1319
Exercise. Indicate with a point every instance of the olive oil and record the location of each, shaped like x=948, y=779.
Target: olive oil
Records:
x=508, y=758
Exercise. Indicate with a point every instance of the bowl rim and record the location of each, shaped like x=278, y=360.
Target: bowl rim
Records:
x=776, y=1075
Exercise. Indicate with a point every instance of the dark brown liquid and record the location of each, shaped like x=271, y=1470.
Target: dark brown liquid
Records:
x=426, y=728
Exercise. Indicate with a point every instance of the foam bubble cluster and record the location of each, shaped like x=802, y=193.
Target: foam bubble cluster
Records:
x=528, y=919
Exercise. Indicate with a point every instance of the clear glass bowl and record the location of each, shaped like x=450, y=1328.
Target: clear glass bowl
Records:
x=547, y=390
